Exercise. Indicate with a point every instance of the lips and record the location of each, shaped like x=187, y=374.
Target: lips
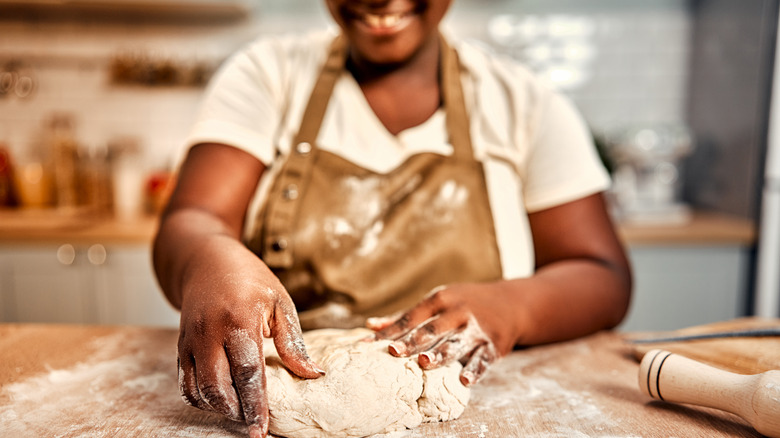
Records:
x=384, y=19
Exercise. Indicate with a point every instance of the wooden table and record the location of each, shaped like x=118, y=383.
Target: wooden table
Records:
x=74, y=381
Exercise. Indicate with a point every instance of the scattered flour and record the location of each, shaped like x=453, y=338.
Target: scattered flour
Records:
x=54, y=403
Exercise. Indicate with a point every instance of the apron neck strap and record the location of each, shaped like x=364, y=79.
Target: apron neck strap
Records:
x=320, y=95
x=457, y=120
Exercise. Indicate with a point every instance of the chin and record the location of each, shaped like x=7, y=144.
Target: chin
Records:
x=390, y=32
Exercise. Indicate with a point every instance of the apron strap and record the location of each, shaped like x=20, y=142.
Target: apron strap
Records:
x=457, y=118
x=283, y=205
x=320, y=95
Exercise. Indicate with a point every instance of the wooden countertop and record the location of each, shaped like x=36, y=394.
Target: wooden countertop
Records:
x=703, y=229
x=75, y=227
x=47, y=226
x=99, y=381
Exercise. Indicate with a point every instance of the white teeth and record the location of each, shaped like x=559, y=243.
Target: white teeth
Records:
x=382, y=21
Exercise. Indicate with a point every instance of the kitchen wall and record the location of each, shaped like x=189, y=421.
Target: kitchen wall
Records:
x=624, y=62
x=731, y=78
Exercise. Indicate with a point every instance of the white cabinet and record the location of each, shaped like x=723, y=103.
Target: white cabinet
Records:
x=127, y=291
x=43, y=289
x=677, y=286
x=81, y=283
x=6, y=281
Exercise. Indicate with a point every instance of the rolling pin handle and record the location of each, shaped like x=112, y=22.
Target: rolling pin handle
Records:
x=650, y=373
x=674, y=378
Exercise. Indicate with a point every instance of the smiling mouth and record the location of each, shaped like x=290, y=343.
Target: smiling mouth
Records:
x=384, y=21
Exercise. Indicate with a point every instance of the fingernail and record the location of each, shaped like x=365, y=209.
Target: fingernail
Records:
x=467, y=378
x=373, y=321
x=426, y=358
x=318, y=369
x=396, y=349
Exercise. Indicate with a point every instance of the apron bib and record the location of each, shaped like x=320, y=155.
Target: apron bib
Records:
x=348, y=243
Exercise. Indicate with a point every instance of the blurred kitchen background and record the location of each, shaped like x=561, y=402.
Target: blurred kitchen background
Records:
x=96, y=97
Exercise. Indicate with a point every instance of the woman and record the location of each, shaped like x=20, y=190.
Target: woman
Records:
x=395, y=174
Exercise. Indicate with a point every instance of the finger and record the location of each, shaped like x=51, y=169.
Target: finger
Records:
x=381, y=322
x=188, y=383
x=215, y=385
x=247, y=367
x=414, y=317
x=451, y=349
x=478, y=363
x=428, y=334
x=288, y=340
x=256, y=431
x=459, y=344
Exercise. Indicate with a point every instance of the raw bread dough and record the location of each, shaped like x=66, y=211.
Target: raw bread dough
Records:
x=365, y=390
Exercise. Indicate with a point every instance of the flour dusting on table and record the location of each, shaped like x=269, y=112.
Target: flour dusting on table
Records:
x=121, y=378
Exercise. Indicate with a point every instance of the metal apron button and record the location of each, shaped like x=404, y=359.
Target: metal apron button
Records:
x=279, y=244
x=290, y=192
x=303, y=148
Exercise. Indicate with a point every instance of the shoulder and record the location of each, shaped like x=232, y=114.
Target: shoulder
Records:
x=501, y=82
x=488, y=70
x=506, y=101
x=281, y=54
x=291, y=46
x=265, y=74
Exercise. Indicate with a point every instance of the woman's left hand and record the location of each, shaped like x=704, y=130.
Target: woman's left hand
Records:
x=459, y=322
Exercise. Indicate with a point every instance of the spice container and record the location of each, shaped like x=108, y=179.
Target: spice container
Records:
x=32, y=176
x=64, y=151
x=94, y=180
x=127, y=178
x=159, y=185
x=7, y=189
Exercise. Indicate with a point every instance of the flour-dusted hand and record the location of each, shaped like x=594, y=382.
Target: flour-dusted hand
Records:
x=229, y=299
x=457, y=322
x=225, y=315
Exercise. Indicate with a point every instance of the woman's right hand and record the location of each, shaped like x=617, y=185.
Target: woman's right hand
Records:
x=231, y=301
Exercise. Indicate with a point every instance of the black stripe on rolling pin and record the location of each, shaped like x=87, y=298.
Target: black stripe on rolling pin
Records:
x=650, y=371
x=658, y=377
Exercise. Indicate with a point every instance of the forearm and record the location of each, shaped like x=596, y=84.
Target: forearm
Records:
x=185, y=237
x=565, y=300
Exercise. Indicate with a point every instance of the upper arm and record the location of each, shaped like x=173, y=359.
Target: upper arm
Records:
x=220, y=180
x=562, y=163
x=580, y=229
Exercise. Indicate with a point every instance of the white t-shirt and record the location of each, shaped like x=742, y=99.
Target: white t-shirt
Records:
x=535, y=148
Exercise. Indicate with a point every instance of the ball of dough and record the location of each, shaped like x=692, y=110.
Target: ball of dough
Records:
x=365, y=390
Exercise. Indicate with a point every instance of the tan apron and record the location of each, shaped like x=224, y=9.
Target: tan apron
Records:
x=376, y=243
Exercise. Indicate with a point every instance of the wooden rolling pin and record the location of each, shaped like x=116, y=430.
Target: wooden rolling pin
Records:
x=674, y=378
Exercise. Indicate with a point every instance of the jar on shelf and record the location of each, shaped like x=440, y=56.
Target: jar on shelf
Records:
x=8, y=196
x=127, y=178
x=64, y=150
x=33, y=175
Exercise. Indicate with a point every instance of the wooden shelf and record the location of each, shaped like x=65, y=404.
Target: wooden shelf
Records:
x=166, y=10
x=56, y=226
x=52, y=226
x=702, y=229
